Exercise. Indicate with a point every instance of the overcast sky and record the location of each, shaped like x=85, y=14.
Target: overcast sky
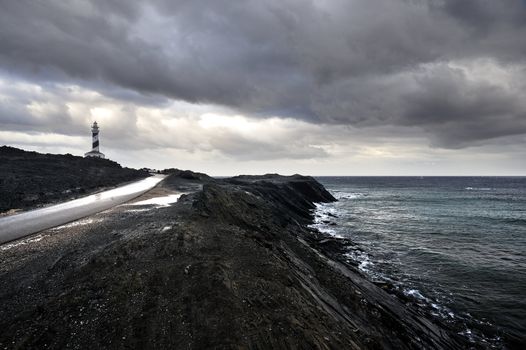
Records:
x=321, y=87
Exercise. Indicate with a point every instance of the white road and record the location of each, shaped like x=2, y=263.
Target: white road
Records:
x=23, y=224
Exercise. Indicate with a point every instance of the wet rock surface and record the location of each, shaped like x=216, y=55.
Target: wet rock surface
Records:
x=231, y=265
x=30, y=179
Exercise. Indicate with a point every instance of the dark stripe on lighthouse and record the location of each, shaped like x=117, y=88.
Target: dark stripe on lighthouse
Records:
x=95, y=144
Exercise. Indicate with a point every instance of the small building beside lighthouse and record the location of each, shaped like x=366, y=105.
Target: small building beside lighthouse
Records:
x=95, y=143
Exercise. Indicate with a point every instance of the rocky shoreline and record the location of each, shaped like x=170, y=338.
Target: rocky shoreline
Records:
x=231, y=265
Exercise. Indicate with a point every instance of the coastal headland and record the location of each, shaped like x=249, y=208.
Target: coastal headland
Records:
x=231, y=265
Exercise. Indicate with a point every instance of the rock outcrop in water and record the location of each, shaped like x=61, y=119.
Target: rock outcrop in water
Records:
x=28, y=179
x=232, y=265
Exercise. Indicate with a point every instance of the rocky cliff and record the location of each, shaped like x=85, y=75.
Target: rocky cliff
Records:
x=232, y=265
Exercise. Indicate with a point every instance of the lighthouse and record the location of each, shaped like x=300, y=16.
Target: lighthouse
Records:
x=95, y=143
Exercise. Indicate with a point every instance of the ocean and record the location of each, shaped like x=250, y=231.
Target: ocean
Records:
x=454, y=246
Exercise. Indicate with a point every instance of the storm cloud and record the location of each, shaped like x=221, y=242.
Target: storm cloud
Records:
x=452, y=72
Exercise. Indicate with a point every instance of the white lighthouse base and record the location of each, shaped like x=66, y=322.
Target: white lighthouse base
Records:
x=94, y=154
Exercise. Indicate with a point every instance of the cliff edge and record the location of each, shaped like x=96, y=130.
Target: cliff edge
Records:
x=232, y=265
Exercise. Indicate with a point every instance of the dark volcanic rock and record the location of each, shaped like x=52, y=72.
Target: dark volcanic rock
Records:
x=231, y=266
x=186, y=174
x=273, y=210
x=28, y=179
x=185, y=181
x=294, y=194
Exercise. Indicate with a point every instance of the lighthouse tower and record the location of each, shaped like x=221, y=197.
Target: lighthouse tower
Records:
x=95, y=143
